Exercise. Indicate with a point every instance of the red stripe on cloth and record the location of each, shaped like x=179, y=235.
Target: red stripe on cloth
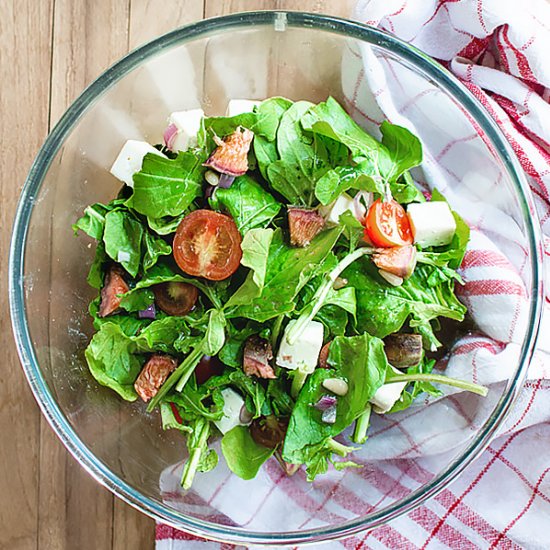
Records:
x=491, y=287
x=485, y=258
x=461, y=511
x=472, y=519
x=480, y=15
x=475, y=48
x=522, y=476
x=446, y=534
x=521, y=59
x=525, y=509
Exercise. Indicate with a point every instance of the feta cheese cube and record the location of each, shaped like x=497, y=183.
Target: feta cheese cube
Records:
x=387, y=395
x=304, y=353
x=334, y=210
x=432, y=223
x=130, y=159
x=188, y=124
x=232, y=405
x=239, y=106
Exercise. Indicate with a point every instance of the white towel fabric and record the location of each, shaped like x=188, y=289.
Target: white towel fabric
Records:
x=499, y=50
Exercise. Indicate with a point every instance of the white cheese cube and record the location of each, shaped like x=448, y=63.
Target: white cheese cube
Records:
x=239, y=106
x=130, y=159
x=188, y=124
x=432, y=223
x=232, y=406
x=334, y=210
x=304, y=353
x=387, y=395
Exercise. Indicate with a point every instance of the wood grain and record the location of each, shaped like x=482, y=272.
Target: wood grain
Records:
x=24, y=68
x=50, y=51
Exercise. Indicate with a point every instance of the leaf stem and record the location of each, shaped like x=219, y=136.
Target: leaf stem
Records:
x=298, y=382
x=339, y=448
x=361, y=427
x=318, y=299
x=439, y=379
x=190, y=468
x=188, y=364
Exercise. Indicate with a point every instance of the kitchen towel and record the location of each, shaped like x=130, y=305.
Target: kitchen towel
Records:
x=499, y=51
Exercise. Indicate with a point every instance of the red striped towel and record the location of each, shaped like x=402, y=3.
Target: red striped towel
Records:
x=499, y=49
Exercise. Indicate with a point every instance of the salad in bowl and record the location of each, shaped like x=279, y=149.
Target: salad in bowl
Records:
x=272, y=277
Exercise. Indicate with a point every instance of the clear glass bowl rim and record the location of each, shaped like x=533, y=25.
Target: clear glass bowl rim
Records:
x=55, y=139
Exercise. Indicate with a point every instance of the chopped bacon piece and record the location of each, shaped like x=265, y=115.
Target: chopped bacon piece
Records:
x=113, y=287
x=153, y=375
x=304, y=225
x=230, y=157
x=256, y=357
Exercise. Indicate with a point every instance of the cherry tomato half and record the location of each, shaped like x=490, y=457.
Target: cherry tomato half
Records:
x=175, y=298
x=387, y=224
x=208, y=244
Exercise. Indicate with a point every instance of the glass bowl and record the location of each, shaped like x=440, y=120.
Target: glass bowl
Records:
x=257, y=55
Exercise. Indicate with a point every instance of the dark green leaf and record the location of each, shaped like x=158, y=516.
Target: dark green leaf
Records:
x=166, y=187
x=122, y=238
x=248, y=203
x=243, y=455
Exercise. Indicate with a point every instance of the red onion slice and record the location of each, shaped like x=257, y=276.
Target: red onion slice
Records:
x=361, y=204
x=226, y=181
x=329, y=416
x=170, y=135
x=325, y=402
x=148, y=313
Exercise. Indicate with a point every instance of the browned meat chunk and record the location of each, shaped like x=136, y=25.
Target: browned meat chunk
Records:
x=256, y=358
x=304, y=224
x=113, y=288
x=153, y=375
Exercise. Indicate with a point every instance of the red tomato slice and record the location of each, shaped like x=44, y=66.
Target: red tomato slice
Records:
x=208, y=244
x=387, y=224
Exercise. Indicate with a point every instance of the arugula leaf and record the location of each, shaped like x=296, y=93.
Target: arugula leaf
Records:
x=318, y=457
x=129, y=324
x=416, y=388
x=169, y=420
x=167, y=187
x=383, y=309
x=95, y=274
x=201, y=459
x=405, y=190
x=113, y=361
x=269, y=113
x=361, y=361
x=161, y=335
x=248, y=203
x=454, y=252
x=404, y=150
x=243, y=455
x=288, y=270
x=294, y=174
x=214, y=337
x=255, y=248
x=165, y=225
x=122, y=237
x=224, y=125
x=153, y=247
x=331, y=120
x=93, y=220
x=231, y=353
x=339, y=180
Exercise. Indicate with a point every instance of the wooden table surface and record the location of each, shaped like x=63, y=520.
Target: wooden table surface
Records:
x=49, y=51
